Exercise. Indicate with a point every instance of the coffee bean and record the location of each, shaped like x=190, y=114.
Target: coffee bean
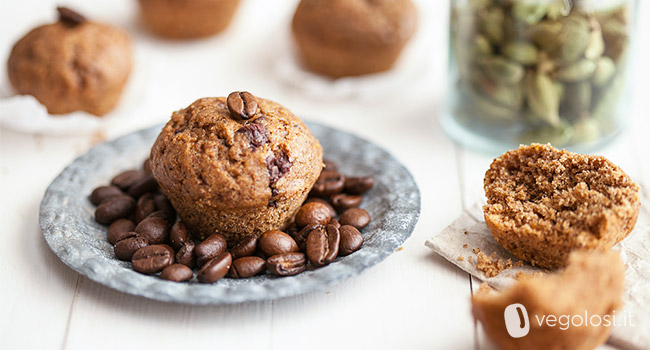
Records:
x=152, y=259
x=312, y=213
x=329, y=182
x=344, y=201
x=334, y=221
x=144, y=207
x=161, y=214
x=146, y=166
x=125, y=247
x=245, y=247
x=242, y=104
x=142, y=186
x=163, y=204
x=358, y=185
x=330, y=165
x=127, y=179
x=356, y=217
x=156, y=230
x=114, y=208
x=179, y=235
x=287, y=264
x=118, y=229
x=292, y=229
x=212, y=246
x=215, y=268
x=333, y=212
x=103, y=193
x=247, y=266
x=69, y=17
x=301, y=236
x=186, y=255
x=177, y=273
x=322, y=245
x=351, y=240
x=276, y=242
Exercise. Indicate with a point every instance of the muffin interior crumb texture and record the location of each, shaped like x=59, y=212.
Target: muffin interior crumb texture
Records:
x=562, y=195
x=492, y=266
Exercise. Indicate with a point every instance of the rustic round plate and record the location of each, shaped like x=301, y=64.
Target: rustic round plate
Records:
x=69, y=228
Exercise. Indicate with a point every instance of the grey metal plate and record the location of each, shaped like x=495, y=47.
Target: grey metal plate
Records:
x=69, y=228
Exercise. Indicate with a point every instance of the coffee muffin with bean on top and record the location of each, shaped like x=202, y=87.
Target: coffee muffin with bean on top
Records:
x=236, y=166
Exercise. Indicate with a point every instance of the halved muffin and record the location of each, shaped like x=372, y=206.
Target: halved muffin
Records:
x=543, y=203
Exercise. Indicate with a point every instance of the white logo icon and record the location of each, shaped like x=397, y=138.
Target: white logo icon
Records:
x=517, y=323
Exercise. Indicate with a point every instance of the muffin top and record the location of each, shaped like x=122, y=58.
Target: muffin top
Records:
x=564, y=196
x=73, y=61
x=213, y=157
x=356, y=22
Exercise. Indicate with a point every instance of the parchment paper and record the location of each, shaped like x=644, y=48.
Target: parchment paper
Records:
x=470, y=229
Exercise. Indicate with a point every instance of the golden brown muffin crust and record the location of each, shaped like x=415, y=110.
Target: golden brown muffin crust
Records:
x=357, y=22
x=68, y=68
x=210, y=164
x=352, y=37
x=180, y=19
x=592, y=283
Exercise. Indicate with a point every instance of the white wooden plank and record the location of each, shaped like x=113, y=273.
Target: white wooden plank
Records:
x=36, y=289
x=139, y=323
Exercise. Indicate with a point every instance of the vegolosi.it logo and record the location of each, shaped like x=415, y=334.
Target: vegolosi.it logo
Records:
x=517, y=322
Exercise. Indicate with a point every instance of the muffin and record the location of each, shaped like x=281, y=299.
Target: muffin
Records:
x=72, y=65
x=234, y=176
x=543, y=203
x=352, y=37
x=592, y=284
x=183, y=19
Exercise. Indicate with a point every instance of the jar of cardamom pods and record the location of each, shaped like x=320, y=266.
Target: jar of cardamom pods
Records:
x=525, y=71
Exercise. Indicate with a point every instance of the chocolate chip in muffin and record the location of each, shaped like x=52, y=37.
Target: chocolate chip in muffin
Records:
x=256, y=133
x=278, y=165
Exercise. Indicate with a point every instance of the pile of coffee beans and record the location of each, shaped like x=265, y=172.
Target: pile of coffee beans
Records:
x=144, y=230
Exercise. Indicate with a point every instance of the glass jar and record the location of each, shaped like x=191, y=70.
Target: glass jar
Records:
x=525, y=71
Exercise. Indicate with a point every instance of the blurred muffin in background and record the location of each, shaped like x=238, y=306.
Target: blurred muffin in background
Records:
x=352, y=37
x=185, y=19
x=72, y=65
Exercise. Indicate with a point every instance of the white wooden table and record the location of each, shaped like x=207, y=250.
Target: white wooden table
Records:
x=412, y=300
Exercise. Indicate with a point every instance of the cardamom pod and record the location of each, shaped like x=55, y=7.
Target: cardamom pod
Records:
x=510, y=96
x=586, y=131
x=577, y=101
x=481, y=46
x=574, y=38
x=605, y=70
x=542, y=97
x=502, y=70
x=615, y=37
x=556, y=10
x=557, y=136
x=545, y=34
x=478, y=4
x=491, y=20
x=528, y=13
x=487, y=110
x=578, y=71
x=522, y=52
x=596, y=46
x=607, y=99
